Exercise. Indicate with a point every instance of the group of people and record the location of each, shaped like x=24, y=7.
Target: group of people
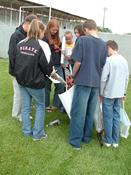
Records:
x=35, y=54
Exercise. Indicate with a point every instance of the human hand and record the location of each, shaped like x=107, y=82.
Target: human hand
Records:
x=54, y=76
x=63, y=66
x=124, y=98
x=101, y=99
x=69, y=81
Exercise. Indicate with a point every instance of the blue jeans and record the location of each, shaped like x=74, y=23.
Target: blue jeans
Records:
x=111, y=118
x=39, y=99
x=82, y=114
x=59, y=88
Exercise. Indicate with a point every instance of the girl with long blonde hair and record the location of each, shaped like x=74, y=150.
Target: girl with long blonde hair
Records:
x=32, y=65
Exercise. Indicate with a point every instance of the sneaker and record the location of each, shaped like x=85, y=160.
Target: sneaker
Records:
x=115, y=145
x=20, y=119
x=17, y=117
x=48, y=109
x=75, y=148
x=41, y=138
x=107, y=145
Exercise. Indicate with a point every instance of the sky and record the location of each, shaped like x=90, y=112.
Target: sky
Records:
x=117, y=15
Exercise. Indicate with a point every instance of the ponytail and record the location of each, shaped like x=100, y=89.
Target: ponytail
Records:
x=35, y=29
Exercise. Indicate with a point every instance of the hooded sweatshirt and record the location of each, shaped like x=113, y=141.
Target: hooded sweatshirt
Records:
x=16, y=37
x=33, y=63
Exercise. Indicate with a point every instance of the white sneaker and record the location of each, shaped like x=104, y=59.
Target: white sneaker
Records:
x=41, y=138
x=107, y=145
x=115, y=145
x=20, y=119
x=17, y=117
x=77, y=149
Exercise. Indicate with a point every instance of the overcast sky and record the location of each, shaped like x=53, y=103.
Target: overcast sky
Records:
x=117, y=16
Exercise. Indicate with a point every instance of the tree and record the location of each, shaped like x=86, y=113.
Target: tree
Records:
x=107, y=30
x=127, y=33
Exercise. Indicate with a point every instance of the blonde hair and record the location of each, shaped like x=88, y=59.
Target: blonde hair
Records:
x=35, y=29
x=68, y=32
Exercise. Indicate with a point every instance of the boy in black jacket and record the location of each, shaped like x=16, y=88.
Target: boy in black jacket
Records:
x=19, y=34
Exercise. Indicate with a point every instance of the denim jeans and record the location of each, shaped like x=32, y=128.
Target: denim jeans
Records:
x=82, y=114
x=59, y=88
x=111, y=117
x=39, y=99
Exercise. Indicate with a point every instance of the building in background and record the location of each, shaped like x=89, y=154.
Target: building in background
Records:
x=9, y=13
x=9, y=19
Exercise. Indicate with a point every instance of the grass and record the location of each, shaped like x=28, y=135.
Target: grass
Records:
x=22, y=156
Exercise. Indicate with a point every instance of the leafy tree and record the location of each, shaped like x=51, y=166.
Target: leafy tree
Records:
x=100, y=29
x=128, y=33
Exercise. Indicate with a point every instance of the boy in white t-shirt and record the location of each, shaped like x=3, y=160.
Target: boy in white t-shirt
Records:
x=114, y=82
x=68, y=48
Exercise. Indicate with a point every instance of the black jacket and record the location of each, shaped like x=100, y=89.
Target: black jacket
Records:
x=16, y=37
x=32, y=63
x=55, y=53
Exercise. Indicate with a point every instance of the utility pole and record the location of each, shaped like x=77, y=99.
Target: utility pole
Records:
x=50, y=10
x=104, y=16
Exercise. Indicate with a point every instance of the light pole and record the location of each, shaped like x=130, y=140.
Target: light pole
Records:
x=50, y=9
x=104, y=16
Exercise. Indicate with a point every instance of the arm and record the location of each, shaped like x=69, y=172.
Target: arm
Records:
x=104, y=56
x=62, y=48
x=127, y=79
x=76, y=68
x=77, y=57
x=45, y=58
x=70, y=78
x=104, y=77
x=46, y=66
x=12, y=53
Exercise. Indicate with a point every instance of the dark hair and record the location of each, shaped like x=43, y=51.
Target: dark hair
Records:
x=112, y=44
x=35, y=29
x=79, y=28
x=90, y=24
x=56, y=39
x=29, y=18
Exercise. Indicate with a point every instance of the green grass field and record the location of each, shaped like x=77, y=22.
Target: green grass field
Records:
x=23, y=156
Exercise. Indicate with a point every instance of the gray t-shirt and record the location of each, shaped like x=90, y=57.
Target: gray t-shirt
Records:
x=92, y=53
